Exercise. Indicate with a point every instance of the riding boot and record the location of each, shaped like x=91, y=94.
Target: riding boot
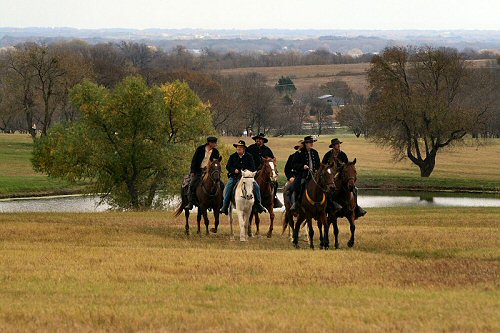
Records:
x=190, y=196
x=359, y=212
x=277, y=202
x=296, y=199
x=336, y=206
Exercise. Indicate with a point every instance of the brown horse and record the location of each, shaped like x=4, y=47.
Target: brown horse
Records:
x=345, y=182
x=265, y=178
x=208, y=196
x=313, y=204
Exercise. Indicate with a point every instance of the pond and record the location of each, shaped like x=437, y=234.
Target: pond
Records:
x=367, y=199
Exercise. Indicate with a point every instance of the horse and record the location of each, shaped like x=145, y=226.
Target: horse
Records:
x=313, y=204
x=242, y=202
x=345, y=182
x=208, y=196
x=265, y=178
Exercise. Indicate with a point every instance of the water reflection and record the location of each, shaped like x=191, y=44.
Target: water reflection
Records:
x=367, y=199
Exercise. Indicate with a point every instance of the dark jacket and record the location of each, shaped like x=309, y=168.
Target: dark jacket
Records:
x=198, y=157
x=289, y=170
x=302, y=158
x=258, y=153
x=245, y=162
x=342, y=157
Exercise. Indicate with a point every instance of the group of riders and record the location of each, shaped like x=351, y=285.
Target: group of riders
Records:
x=299, y=168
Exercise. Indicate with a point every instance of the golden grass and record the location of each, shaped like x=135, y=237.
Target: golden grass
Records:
x=315, y=75
x=412, y=269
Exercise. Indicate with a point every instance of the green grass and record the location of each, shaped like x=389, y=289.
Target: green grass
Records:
x=460, y=168
x=412, y=270
x=17, y=177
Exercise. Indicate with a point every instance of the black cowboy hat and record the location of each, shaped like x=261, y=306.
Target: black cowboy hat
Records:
x=298, y=145
x=309, y=139
x=260, y=136
x=212, y=139
x=240, y=143
x=334, y=142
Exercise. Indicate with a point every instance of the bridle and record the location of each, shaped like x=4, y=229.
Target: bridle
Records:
x=212, y=176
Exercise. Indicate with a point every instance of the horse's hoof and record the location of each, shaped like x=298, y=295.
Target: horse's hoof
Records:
x=337, y=246
x=327, y=247
x=312, y=247
x=350, y=243
x=269, y=234
x=187, y=232
x=321, y=247
x=213, y=230
x=243, y=240
x=231, y=238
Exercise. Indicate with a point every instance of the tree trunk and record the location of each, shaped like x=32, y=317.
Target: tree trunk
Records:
x=427, y=165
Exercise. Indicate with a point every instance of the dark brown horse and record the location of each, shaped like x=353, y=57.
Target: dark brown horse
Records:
x=265, y=178
x=208, y=196
x=313, y=204
x=345, y=182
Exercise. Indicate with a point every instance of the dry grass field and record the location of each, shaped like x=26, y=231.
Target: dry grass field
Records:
x=316, y=75
x=411, y=270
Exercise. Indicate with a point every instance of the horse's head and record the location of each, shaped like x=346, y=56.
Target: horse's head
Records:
x=269, y=169
x=214, y=169
x=247, y=179
x=349, y=175
x=326, y=177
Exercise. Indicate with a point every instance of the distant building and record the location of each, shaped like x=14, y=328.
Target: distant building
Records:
x=334, y=101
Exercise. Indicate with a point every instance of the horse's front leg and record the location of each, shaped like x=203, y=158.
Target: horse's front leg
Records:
x=216, y=219
x=296, y=230
x=271, y=223
x=206, y=220
x=326, y=236
x=231, y=237
x=333, y=221
x=311, y=233
x=186, y=227
x=243, y=220
x=257, y=224
x=198, y=220
x=320, y=229
x=252, y=215
x=352, y=226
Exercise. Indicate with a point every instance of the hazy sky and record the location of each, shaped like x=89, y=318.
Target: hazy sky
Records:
x=251, y=14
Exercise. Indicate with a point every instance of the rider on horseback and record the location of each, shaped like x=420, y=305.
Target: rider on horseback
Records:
x=202, y=155
x=337, y=155
x=260, y=151
x=238, y=162
x=305, y=163
x=290, y=171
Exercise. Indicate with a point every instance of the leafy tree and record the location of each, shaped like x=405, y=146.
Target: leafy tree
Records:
x=424, y=100
x=129, y=143
x=285, y=85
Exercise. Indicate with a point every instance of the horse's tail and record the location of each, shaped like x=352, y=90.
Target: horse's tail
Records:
x=284, y=221
x=183, y=204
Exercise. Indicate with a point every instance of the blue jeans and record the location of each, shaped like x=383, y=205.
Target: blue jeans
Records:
x=231, y=183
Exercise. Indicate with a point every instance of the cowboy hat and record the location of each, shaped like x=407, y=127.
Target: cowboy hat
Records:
x=334, y=142
x=309, y=139
x=240, y=143
x=260, y=136
x=212, y=139
x=298, y=145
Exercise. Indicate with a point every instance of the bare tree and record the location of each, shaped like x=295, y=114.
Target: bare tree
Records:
x=424, y=100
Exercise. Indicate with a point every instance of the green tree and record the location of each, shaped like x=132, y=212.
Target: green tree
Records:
x=285, y=85
x=129, y=143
